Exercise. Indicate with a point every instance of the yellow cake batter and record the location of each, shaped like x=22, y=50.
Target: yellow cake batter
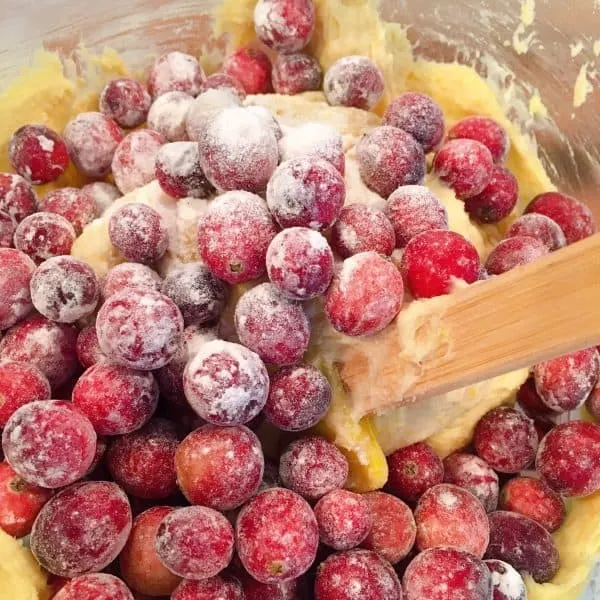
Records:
x=51, y=92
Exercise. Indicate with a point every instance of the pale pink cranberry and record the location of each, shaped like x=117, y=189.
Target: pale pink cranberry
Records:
x=102, y=193
x=365, y=295
x=354, y=81
x=49, y=443
x=43, y=235
x=284, y=25
x=574, y=218
x=238, y=151
x=222, y=81
x=277, y=536
x=342, y=574
x=413, y=209
x=134, y=160
x=8, y=226
x=219, y=467
x=541, y=227
x=130, y=275
x=223, y=588
x=474, y=475
x=139, y=233
x=273, y=326
x=82, y=529
x=524, y=544
x=73, y=204
x=92, y=139
x=195, y=542
x=443, y=573
x=225, y=383
x=498, y=198
x=299, y=397
x=507, y=582
x=296, y=73
x=389, y=158
x=175, y=72
x=484, y=130
x=16, y=270
x=51, y=347
x=362, y=228
x=38, y=153
x=126, y=101
x=179, y=172
x=465, y=165
x=20, y=383
x=252, y=68
x=569, y=458
x=393, y=531
x=514, y=252
x=506, y=439
x=167, y=115
x=64, y=289
x=139, y=329
x=88, y=348
x=96, y=586
x=17, y=197
x=256, y=590
x=413, y=470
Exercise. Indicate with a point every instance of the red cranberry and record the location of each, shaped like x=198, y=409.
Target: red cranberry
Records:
x=312, y=467
x=514, y=252
x=51, y=347
x=569, y=458
x=139, y=329
x=92, y=139
x=195, y=542
x=96, y=586
x=507, y=582
x=465, y=165
x=276, y=328
x=484, y=130
x=20, y=502
x=130, y=275
x=81, y=529
x=126, y=101
x=255, y=590
x=16, y=270
x=389, y=158
x=43, y=235
x=498, y=198
x=365, y=296
x=474, y=475
x=524, y=544
x=506, y=439
x=73, y=204
x=205, y=108
x=179, y=172
x=252, y=68
x=8, y=226
x=354, y=81
x=175, y=72
x=225, y=383
x=102, y=193
x=277, y=536
x=296, y=73
x=541, y=227
x=443, y=573
x=284, y=25
x=133, y=163
x=220, y=467
x=17, y=197
x=221, y=588
x=38, y=153
x=299, y=397
x=413, y=209
x=167, y=115
x=222, y=81
x=530, y=401
x=592, y=404
x=433, y=259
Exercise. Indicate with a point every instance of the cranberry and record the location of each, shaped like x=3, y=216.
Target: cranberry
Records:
x=126, y=101
x=209, y=589
x=233, y=236
x=225, y=383
x=524, y=544
x=51, y=347
x=167, y=115
x=102, y=193
x=17, y=197
x=139, y=329
x=252, y=68
x=175, y=72
x=529, y=400
x=484, y=130
x=130, y=275
x=16, y=270
x=92, y=139
x=296, y=73
x=96, y=586
x=474, y=475
x=443, y=573
x=220, y=467
x=20, y=502
x=507, y=583
x=222, y=81
x=277, y=536
x=195, y=542
x=299, y=397
x=205, y=108
x=541, y=227
x=276, y=328
x=498, y=198
x=592, y=404
x=354, y=81
x=514, y=252
x=569, y=458
x=43, y=235
x=564, y=383
x=64, y=289
x=255, y=590
x=81, y=529
x=365, y=295
x=133, y=163
x=284, y=25
x=73, y=204
x=38, y=153
x=179, y=172
x=8, y=226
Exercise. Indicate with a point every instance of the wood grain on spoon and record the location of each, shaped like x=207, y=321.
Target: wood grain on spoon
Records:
x=532, y=313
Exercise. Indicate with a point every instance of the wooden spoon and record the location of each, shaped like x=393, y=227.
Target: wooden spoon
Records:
x=530, y=314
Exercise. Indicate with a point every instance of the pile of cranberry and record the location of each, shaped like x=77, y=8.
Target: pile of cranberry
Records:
x=149, y=408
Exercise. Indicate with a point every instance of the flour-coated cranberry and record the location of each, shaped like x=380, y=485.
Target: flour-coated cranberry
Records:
x=8, y=226
x=541, y=227
x=16, y=270
x=514, y=252
x=256, y=590
x=175, y=72
x=73, y=204
x=222, y=81
x=205, y=108
x=95, y=586
x=296, y=73
x=223, y=588
x=102, y=193
x=284, y=25
x=252, y=68
x=498, y=198
x=126, y=101
x=130, y=275
x=354, y=81
x=484, y=130
x=268, y=118
x=17, y=197
x=43, y=235
x=167, y=115
x=88, y=347
x=506, y=580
